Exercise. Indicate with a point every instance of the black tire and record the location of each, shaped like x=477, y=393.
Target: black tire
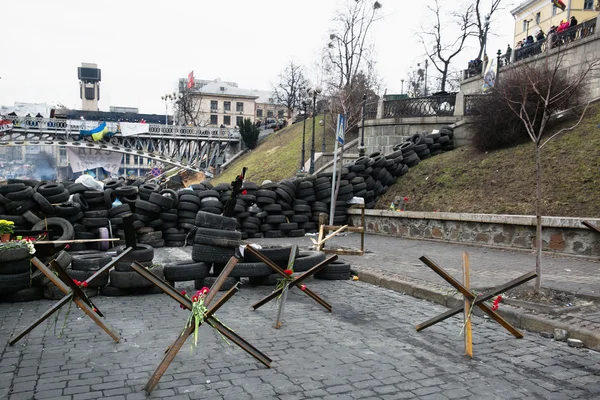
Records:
x=245, y=269
x=90, y=262
x=278, y=254
x=162, y=201
x=211, y=254
x=147, y=206
x=23, y=295
x=141, y=252
x=68, y=233
x=14, y=282
x=128, y=280
x=99, y=281
x=305, y=260
x=210, y=280
x=51, y=292
x=59, y=198
x=15, y=267
x=208, y=220
x=67, y=209
x=181, y=271
x=336, y=270
x=50, y=189
x=172, y=194
x=8, y=254
x=288, y=226
x=275, y=219
x=94, y=222
x=24, y=193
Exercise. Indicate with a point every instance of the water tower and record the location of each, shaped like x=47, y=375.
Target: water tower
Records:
x=89, y=86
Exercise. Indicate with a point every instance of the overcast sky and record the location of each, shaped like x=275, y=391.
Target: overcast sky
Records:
x=143, y=47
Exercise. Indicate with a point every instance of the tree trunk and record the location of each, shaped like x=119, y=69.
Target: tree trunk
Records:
x=538, y=218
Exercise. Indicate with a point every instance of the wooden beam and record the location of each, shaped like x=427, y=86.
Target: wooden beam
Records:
x=467, y=307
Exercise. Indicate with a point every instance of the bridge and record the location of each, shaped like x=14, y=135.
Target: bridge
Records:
x=191, y=148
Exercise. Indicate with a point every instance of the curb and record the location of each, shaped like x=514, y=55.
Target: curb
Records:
x=518, y=317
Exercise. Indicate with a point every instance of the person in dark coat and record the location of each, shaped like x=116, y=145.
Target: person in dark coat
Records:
x=573, y=22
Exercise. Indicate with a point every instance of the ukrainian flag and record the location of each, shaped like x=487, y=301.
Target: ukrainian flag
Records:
x=97, y=133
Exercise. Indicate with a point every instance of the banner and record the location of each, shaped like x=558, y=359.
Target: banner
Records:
x=133, y=128
x=341, y=128
x=489, y=76
x=82, y=159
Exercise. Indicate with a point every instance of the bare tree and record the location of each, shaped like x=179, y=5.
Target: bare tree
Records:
x=535, y=92
x=349, y=57
x=441, y=50
x=188, y=105
x=482, y=26
x=291, y=89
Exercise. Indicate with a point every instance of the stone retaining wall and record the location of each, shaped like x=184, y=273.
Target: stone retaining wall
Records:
x=560, y=234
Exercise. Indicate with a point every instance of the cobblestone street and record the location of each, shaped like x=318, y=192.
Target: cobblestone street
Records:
x=366, y=348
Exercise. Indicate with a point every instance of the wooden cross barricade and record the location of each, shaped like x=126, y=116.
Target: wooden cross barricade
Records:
x=212, y=321
x=472, y=299
x=324, y=229
x=292, y=283
x=72, y=292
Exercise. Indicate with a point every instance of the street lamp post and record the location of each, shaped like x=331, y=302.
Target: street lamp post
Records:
x=313, y=93
x=169, y=97
x=324, y=124
x=361, y=148
x=304, y=103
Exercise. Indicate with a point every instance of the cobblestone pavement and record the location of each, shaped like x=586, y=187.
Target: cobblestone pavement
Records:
x=366, y=348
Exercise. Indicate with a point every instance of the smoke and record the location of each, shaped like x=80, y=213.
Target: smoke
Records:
x=45, y=167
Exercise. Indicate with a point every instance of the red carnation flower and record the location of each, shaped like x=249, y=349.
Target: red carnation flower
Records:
x=303, y=287
x=85, y=284
x=244, y=191
x=288, y=272
x=194, y=299
x=406, y=199
x=205, y=290
x=183, y=292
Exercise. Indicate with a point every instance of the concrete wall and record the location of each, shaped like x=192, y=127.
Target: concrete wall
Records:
x=560, y=234
x=382, y=134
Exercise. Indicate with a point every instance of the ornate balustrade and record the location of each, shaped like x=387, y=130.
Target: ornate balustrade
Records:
x=440, y=105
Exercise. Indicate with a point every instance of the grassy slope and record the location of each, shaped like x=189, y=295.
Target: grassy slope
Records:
x=278, y=157
x=465, y=180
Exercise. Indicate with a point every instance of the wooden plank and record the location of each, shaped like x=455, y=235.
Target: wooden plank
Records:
x=340, y=230
x=467, y=307
x=328, y=228
x=344, y=252
x=322, y=221
x=74, y=241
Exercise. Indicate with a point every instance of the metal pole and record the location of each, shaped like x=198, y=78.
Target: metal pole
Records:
x=426, y=65
x=361, y=149
x=323, y=148
x=312, y=145
x=303, y=138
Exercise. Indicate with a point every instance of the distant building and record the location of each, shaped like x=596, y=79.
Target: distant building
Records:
x=31, y=109
x=89, y=86
x=533, y=15
x=217, y=103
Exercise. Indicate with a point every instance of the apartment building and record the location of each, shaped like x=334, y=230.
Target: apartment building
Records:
x=533, y=15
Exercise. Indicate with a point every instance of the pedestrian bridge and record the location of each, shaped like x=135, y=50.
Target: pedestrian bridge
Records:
x=191, y=148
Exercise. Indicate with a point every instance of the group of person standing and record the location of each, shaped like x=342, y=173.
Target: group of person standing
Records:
x=540, y=35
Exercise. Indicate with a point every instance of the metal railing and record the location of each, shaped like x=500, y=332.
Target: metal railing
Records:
x=72, y=127
x=371, y=110
x=441, y=105
x=579, y=31
x=470, y=100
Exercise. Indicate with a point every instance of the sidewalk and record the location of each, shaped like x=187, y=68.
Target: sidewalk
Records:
x=394, y=263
